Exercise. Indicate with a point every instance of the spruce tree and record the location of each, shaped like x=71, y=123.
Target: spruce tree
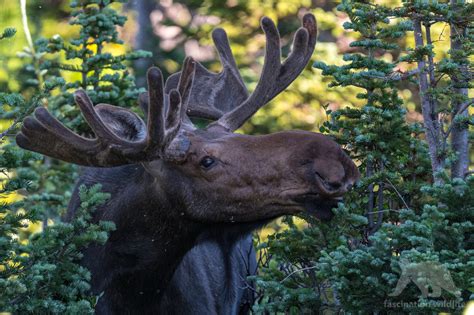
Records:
x=103, y=75
x=444, y=81
x=39, y=273
x=393, y=216
x=40, y=254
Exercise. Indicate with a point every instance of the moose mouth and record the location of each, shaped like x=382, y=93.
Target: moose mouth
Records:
x=321, y=208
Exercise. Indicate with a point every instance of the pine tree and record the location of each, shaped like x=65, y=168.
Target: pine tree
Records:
x=39, y=254
x=105, y=76
x=40, y=273
x=43, y=275
x=444, y=83
x=393, y=215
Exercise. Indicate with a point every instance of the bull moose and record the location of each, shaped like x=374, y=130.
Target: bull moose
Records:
x=184, y=199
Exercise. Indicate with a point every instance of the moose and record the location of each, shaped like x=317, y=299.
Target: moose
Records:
x=186, y=200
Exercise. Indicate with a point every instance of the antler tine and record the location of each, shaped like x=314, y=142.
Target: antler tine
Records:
x=221, y=41
x=212, y=94
x=173, y=118
x=44, y=120
x=155, y=118
x=92, y=118
x=275, y=76
x=182, y=82
x=185, y=83
x=303, y=47
x=164, y=122
x=52, y=138
x=44, y=134
x=244, y=111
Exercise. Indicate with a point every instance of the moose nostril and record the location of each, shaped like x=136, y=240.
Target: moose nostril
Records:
x=335, y=185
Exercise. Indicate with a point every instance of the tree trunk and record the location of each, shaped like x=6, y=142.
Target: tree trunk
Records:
x=428, y=109
x=459, y=134
x=145, y=39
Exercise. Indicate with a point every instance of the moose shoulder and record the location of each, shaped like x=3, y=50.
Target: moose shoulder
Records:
x=173, y=185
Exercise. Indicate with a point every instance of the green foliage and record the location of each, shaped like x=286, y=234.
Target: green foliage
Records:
x=440, y=232
x=105, y=76
x=40, y=273
x=444, y=80
x=291, y=275
x=43, y=275
x=8, y=32
x=394, y=214
x=40, y=254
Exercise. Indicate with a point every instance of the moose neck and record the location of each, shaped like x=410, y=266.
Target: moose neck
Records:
x=151, y=237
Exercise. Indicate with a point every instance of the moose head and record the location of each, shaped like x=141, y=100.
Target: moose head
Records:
x=218, y=175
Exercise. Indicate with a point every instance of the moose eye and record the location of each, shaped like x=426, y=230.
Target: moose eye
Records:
x=207, y=162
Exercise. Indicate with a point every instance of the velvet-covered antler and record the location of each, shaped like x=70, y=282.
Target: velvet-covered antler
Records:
x=275, y=76
x=44, y=134
x=222, y=96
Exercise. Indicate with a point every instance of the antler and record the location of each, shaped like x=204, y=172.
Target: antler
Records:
x=223, y=96
x=45, y=134
x=214, y=94
x=275, y=76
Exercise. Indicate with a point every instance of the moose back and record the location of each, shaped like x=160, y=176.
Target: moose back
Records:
x=174, y=186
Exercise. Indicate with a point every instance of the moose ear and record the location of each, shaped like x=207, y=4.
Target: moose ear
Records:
x=143, y=103
x=122, y=122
